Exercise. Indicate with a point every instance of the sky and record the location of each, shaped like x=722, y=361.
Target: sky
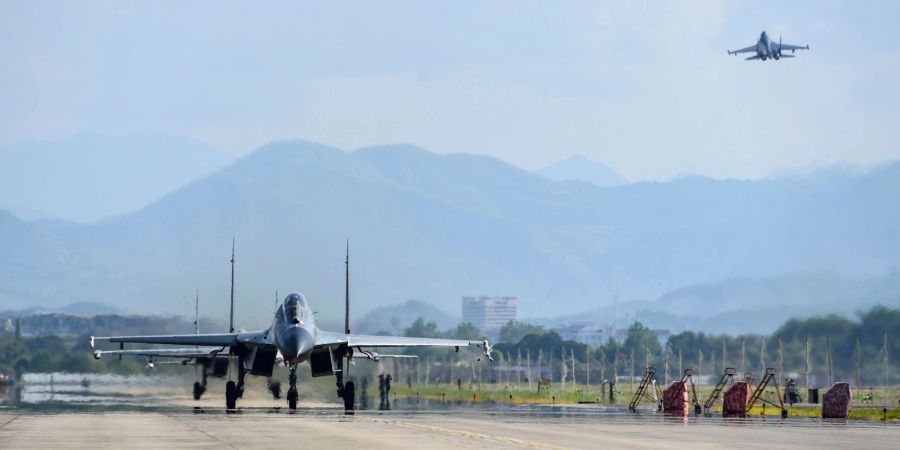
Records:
x=645, y=87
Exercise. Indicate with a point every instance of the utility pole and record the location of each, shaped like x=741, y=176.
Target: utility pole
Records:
x=830, y=362
x=762, y=356
x=858, y=377
x=666, y=367
x=528, y=363
x=632, y=370
x=806, y=357
x=574, y=372
x=779, y=363
x=587, y=367
x=884, y=378
x=724, y=354
x=743, y=354
x=699, y=363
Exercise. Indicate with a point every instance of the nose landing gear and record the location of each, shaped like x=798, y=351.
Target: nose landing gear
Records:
x=292, y=395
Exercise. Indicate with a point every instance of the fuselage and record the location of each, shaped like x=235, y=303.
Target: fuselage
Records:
x=763, y=48
x=294, y=329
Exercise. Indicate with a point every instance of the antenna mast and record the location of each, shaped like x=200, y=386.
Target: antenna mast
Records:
x=231, y=315
x=197, y=313
x=347, y=290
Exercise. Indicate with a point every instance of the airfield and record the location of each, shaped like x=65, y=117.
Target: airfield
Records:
x=162, y=415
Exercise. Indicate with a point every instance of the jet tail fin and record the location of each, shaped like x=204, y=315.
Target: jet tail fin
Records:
x=752, y=57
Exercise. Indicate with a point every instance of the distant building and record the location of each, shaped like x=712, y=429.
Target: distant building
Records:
x=582, y=332
x=489, y=314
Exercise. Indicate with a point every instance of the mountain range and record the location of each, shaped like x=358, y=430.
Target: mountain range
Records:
x=90, y=176
x=437, y=227
x=579, y=168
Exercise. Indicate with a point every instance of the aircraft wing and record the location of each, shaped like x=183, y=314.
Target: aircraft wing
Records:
x=749, y=49
x=361, y=340
x=196, y=352
x=223, y=339
x=793, y=47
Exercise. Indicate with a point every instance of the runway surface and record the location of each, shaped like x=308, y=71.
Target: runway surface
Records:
x=327, y=427
x=157, y=412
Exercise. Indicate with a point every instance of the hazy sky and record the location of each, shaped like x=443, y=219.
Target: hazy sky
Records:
x=644, y=87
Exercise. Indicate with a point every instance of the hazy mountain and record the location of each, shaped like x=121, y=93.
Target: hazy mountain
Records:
x=749, y=305
x=393, y=319
x=437, y=227
x=579, y=168
x=90, y=176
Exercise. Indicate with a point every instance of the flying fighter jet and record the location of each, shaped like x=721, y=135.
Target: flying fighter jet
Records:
x=293, y=338
x=765, y=49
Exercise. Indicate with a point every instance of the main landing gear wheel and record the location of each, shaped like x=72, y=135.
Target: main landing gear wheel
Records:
x=199, y=389
x=231, y=396
x=275, y=389
x=349, y=396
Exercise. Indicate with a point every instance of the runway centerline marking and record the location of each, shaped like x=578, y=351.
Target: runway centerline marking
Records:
x=470, y=434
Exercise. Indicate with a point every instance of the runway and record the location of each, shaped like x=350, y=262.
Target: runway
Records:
x=157, y=412
x=326, y=427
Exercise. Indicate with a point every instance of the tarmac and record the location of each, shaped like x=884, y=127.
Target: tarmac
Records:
x=326, y=427
x=126, y=413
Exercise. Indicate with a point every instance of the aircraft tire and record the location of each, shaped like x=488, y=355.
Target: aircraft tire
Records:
x=275, y=389
x=198, y=390
x=349, y=396
x=230, y=395
x=292, y=397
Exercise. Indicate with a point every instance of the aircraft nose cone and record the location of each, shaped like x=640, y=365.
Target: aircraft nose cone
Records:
x=296, y=343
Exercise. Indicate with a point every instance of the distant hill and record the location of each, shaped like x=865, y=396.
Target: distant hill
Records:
x=434, y=227
x=747, y=305
x=91, y=176
x=393, y=319
x=579, y=168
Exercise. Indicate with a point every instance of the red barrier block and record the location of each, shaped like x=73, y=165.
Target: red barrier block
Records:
x=736, y=399
x=675, y=399
x=837, y=401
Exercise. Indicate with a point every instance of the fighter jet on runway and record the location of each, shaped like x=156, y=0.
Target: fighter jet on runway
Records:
x=765, y=49
x=293, y=338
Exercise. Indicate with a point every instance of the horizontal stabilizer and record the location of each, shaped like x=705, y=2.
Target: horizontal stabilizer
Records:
x=752, y=57
x=788, y=56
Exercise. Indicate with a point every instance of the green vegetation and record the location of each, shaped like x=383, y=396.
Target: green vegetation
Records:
x=56, y=354
x=515, y=331
x=842, y=334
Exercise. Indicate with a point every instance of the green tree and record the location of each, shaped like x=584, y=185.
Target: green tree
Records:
x=467, y=331
x=642, y=339
x=420, y=328
x=513, y=331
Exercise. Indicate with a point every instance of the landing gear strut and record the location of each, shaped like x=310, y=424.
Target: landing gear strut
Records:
x=292, y=394
x=240, y=383
x=345, y=391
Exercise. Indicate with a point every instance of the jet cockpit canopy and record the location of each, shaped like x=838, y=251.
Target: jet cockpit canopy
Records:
x=295, y=308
